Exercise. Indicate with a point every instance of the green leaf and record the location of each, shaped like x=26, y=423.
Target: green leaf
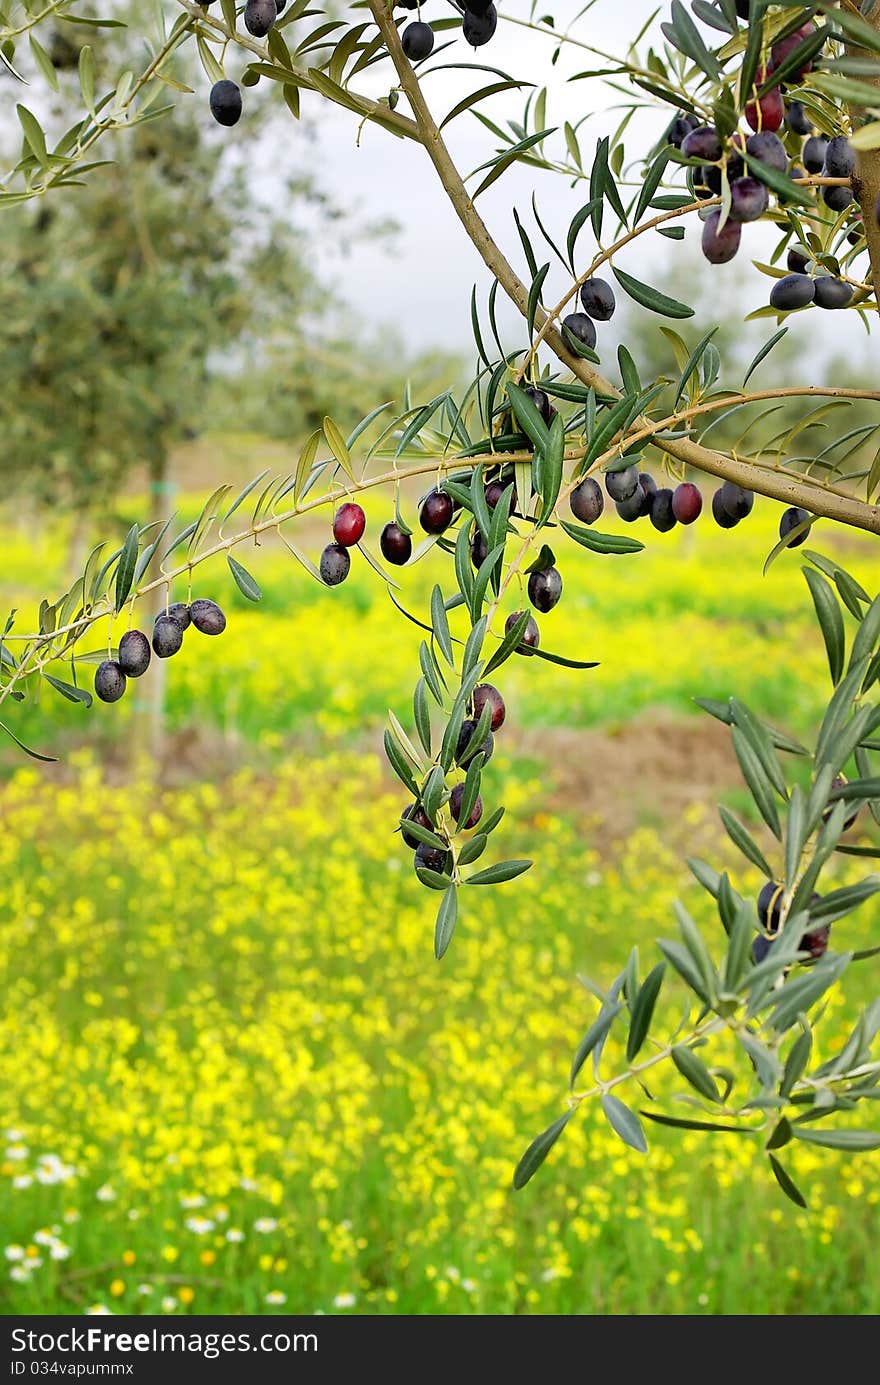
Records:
x=650, y=185
x=538, y=1150
x=447, y=916
x=500, y=164
x=471, y=791
x=597, y=1030
x=251, y=485
x=781, y=1135
x=852, y=1141
x=778, y=183
x=421, y=715
x=440, y=625
x=683, y=33
x=528, y=416
x=486, y=571
x=683, y=963
x=864, y=34
x=473, y=646
x=830, y=619
x=758, y=737
x=213, y=70
x=601, y=543
x=433, y=879
x=681, y=1123
x=788, y=1186
x=34, y=754
x=694, y=1071
x=336, y=443
x=651, y=298
x=400, y=764
x=463, y=569
x=643, y=1010
x=475, y=97
x=764, y=351
x=798, y=995
x=33, y=134
x=499, y=873
x=423, y=834
x=126, y=567
x=44, y=62
x=867, y=634
x=243, y=579
x=551, y=469
x=511, y=642
x=795, y=836
x=693, y=941
x=841, y=902
x=69, y=691
x=742, y=839
x=577, y=223
x=722, y=712
x=754, y=775
x=796, y=1062
x=534, y=297
x=473, y=849
x=624, y=1122
x=692, y=364
x=742, y=929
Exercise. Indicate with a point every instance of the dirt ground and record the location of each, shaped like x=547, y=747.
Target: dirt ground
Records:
x=647, y=772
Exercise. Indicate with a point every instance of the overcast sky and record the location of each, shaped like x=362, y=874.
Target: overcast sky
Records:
x=422, y=287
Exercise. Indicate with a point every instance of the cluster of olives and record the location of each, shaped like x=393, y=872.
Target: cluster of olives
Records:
x=749, y=195
x=598, y=304
x=479, y=20
x=798, y=289
x=136, y=651
x=225, y=98
x=636, y=495
x=815, y=942
x=349, y=524
x=429, y=857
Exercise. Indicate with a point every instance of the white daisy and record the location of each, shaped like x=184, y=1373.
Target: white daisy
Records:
x=200, y=1226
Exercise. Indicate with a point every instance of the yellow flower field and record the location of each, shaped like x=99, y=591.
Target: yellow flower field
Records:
x=236, y=1081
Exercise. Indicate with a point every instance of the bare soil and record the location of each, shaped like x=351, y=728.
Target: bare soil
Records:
x=648, y=772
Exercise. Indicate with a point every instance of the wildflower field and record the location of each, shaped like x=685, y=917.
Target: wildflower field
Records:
x=235, y=1080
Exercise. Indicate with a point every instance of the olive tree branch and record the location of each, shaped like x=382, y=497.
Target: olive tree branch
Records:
x=648, y=430
x=33, y=20
x=785, y=488
x=101, y=126
x=713, y=1026
x=564, y=36
x=605, y=256
x=300, y=76
x=44, y=644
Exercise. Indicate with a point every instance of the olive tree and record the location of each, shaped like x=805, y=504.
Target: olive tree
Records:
x=767, y=113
